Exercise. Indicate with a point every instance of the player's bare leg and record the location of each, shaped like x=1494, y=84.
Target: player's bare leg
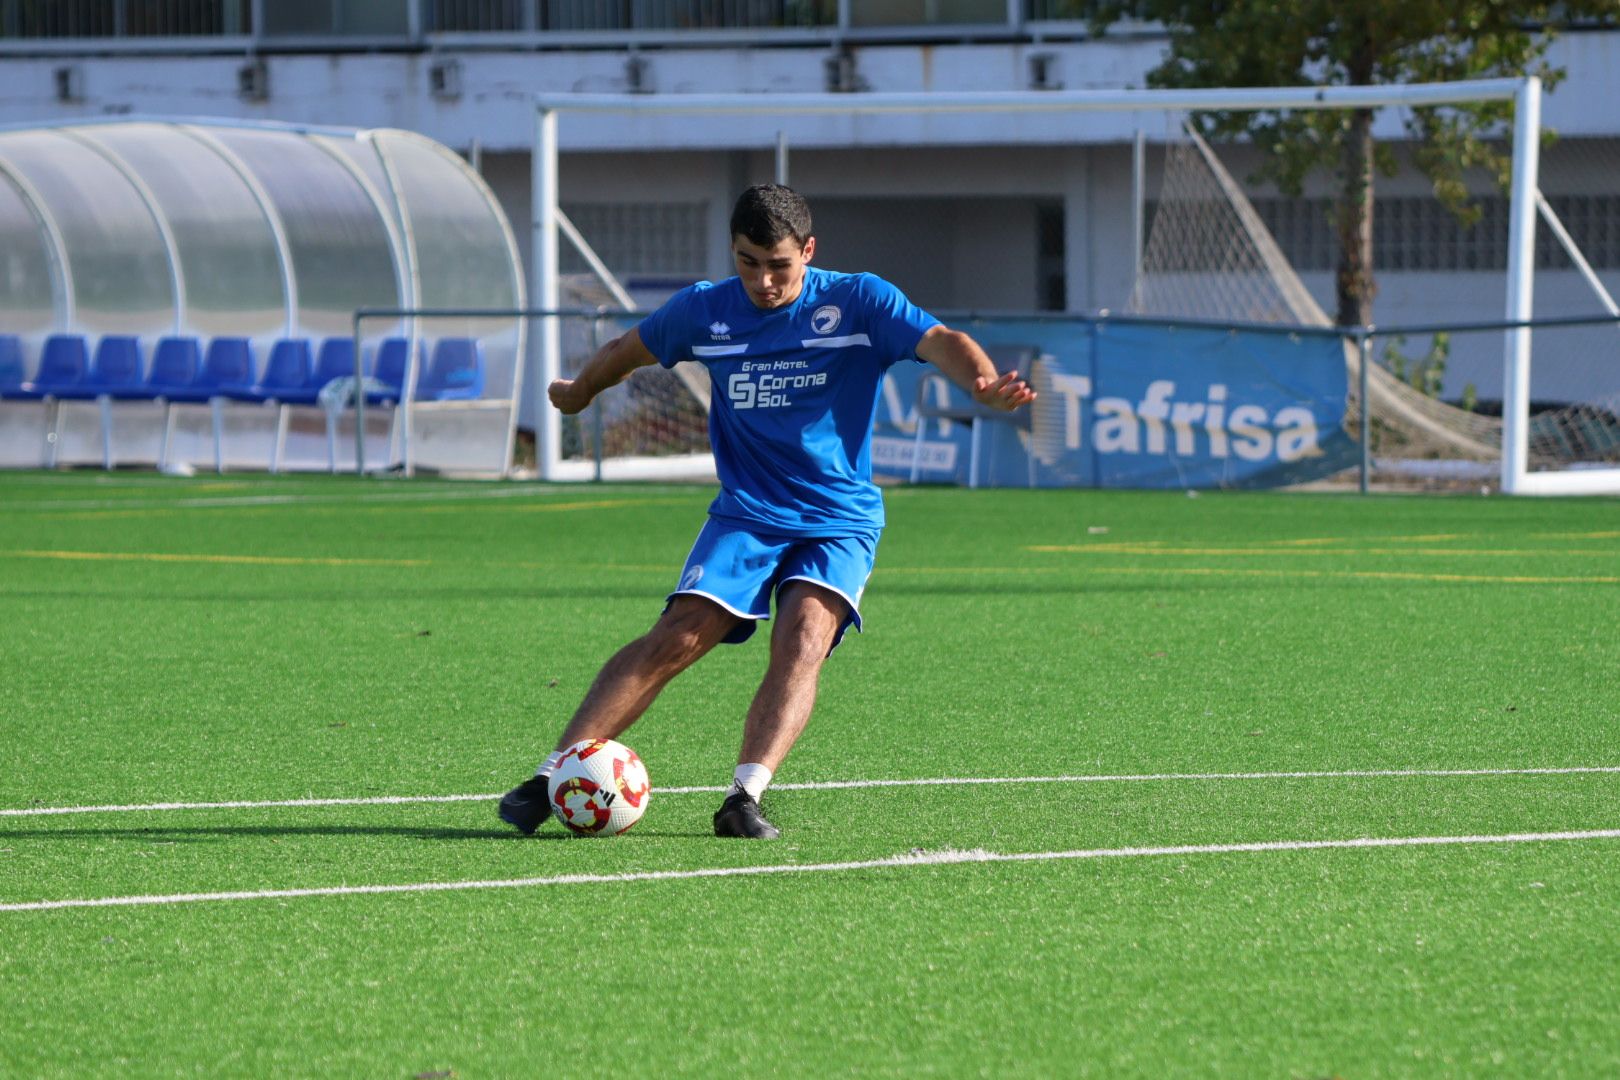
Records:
x=629, y=682
x=625, y=687
x=807, y=621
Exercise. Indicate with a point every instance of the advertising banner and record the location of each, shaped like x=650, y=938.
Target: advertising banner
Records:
x=1128, y=404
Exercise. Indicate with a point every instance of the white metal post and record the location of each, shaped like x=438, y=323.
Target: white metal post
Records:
x=782, y=158
x=1521, y=283
x=1138, y=203
x=546, y=293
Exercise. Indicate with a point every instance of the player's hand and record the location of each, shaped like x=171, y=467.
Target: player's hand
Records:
x=568, y=396
x=1006, y=393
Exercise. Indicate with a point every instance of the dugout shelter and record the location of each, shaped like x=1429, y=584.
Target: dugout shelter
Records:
x=181, y=293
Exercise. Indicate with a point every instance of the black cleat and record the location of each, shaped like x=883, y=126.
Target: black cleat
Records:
x=528, y=805
x=739, y=816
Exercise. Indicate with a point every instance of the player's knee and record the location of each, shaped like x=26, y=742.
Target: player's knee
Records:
x=805, y=636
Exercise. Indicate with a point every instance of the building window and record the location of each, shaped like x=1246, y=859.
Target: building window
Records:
x=641, y=238
x=1414, y=233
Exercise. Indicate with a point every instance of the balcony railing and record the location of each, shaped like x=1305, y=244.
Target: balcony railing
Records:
x=66, y=26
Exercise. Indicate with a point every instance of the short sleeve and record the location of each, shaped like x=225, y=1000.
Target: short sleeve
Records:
x=667, y=332
x=897, y=325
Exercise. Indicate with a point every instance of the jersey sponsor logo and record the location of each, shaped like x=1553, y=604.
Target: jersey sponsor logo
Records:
x=719, y=331
x=766, y=384
x=826, y=319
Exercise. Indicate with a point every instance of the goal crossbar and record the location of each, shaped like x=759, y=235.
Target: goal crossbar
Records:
x=1525, y=92
x=1280, y=97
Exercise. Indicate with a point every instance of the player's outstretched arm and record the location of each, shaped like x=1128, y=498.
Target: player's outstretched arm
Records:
x=610, y=365
x=968, y=366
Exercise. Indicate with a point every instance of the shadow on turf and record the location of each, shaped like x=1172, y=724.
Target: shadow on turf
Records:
x=193, y=834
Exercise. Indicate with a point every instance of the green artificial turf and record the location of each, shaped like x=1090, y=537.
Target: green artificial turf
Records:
x=263, y=639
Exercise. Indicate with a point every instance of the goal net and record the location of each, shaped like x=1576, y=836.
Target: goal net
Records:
x=1434, y=399
x=654, y=425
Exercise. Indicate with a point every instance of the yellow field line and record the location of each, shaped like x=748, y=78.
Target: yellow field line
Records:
x=1380, y=575
x=584, y=504
x=401, y=506
x=249, y=560
x=1426, y=538
x=1611, y=534
x=1214, y=571
x=1268, y=552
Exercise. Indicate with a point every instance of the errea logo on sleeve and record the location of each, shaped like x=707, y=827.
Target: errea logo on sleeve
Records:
x=719, y=331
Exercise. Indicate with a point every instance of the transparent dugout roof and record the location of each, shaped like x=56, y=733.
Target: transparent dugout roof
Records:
x=153, y=227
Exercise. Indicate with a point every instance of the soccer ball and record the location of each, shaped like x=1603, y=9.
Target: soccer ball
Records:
x=599, y=788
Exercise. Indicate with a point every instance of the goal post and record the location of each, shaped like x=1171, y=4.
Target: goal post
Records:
x=847, y=108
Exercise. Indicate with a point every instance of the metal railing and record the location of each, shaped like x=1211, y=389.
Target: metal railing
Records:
x=201, y=25
x=77, y=19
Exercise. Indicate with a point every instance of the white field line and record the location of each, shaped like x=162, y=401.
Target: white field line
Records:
x=837, y=785
x=946, y=857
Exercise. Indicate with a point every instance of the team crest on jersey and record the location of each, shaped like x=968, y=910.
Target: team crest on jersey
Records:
x=693, y=576
x=826, y=319
x=719, y=331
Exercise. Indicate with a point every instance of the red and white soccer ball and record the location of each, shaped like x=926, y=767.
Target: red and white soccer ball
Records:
x=599, y=788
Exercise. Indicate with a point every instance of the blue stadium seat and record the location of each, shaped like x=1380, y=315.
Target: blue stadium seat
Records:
x=227, y=369
x=176, y=363
x=116, y=373
x=334, y=361
x=456, y=373
x=393, y=359
x=392, y=365
x=118, y=369
x=288, y=373
x=64, y=367
x=64, y=370
x=288, y=380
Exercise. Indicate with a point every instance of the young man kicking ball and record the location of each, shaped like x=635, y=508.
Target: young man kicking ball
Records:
x=796, y=357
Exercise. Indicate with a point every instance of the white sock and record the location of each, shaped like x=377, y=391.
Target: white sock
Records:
x=550, y=764
x=752, y=779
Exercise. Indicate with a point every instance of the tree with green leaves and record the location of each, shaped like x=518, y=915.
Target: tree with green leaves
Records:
x=1358, y=43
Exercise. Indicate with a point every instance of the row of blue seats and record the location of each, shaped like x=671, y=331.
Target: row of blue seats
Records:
x=183, y=370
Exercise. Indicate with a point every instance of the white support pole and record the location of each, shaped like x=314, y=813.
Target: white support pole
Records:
x=546, y=292
x=1138, y=203
x=1521, y=282
x=1576, y=256
x=782, y=158
x=593, y=260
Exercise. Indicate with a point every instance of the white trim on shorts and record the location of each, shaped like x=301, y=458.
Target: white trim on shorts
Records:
x=854, y=609
x=715, y=599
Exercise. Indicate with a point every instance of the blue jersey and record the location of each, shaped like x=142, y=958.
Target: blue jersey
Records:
x=795, y=391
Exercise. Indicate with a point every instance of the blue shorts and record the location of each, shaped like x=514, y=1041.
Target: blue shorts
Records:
x=740, y=570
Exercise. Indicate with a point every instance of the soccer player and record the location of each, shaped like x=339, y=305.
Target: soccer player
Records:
x=796, y=357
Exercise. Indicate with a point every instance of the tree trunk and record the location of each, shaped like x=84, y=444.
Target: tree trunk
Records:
x=1356, y=287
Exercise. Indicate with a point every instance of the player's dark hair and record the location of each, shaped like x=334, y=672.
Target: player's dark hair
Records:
x=766, y=214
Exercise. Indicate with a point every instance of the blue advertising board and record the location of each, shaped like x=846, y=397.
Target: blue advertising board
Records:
x=1133, y=404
